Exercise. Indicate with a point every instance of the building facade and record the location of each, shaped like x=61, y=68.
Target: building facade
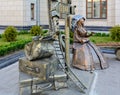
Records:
x=99, y=14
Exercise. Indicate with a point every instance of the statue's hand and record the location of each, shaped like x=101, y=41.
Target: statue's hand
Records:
x=84, y=40
x=81, y=41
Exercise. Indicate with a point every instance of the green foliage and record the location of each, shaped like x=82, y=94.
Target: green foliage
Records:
x=101, y=34
x=8, y=47
x=44, y=33
x=97, y=34
x=101, y=39
x=71, y=40
x=13, y=46
x=0, y=35
x=115, y=33
x=23, y=32
x=93, y=40
x=10, y=34
x=62, y=32
x=107, y=35
x=71, y=34
x=36, y=30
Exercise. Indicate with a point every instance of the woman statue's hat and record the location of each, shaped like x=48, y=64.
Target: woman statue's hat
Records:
x=75, y=19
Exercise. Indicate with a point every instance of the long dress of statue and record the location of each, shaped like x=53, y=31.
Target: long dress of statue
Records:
x=86, y=55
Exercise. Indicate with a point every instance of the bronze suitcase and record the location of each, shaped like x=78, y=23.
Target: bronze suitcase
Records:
x=42, y=68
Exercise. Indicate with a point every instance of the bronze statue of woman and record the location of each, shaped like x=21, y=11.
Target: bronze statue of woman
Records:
x=86, y=56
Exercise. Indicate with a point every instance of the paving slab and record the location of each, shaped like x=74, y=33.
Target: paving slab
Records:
x=104, y=82
x=9, y=82
x=108, y=80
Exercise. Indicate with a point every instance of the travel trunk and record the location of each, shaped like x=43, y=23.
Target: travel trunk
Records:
x=42, y=68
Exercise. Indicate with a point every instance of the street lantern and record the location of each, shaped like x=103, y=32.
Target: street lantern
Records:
x=62, y=8
x=66, y=9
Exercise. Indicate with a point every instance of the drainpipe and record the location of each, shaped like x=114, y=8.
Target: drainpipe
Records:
x=38, y=12
x=49, y=16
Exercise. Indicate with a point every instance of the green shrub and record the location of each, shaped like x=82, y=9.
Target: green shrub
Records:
x=101, y=35
x=13, y=46
x=93, y=40
x=107, y=34
x=0, y=35
x=98, y=34
x=104, y=34
x=10, y=34
x=36, y=30
x=115, y=33
x=62, y=32
x=71, y=40
x=44, y=33
x=71, y=34
x=23, y=32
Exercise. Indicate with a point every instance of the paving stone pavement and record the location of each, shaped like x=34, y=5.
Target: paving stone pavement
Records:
x=9, y=80
x=11, y=58
x=106, y=82
x=9, y=83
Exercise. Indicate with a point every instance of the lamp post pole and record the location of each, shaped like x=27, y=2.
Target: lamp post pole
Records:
x=67, y=54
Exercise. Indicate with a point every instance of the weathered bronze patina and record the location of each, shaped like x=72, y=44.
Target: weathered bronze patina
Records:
x=86, y=55
x=41, y=69
x=39, y=48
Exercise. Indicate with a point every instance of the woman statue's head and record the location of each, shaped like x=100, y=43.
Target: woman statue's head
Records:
x=81, y=22
x=77, y=20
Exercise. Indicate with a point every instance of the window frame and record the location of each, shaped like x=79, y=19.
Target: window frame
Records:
x=32, y=9
x=92, y=9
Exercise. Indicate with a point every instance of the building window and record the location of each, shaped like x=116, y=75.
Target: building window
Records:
x=96, y=9
x=32, y=11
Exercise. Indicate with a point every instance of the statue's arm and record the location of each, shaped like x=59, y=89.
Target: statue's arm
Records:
x=77, y=36
x=91, y=34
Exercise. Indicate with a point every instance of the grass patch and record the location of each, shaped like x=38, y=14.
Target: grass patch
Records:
x=97, y=40
x=19, y=37
x=101, y=39
x=8, y=47
x=2, y=42
x=24, y=37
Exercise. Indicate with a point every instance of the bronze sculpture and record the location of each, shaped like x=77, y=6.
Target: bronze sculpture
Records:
x=86, y=56
x=40, y=47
